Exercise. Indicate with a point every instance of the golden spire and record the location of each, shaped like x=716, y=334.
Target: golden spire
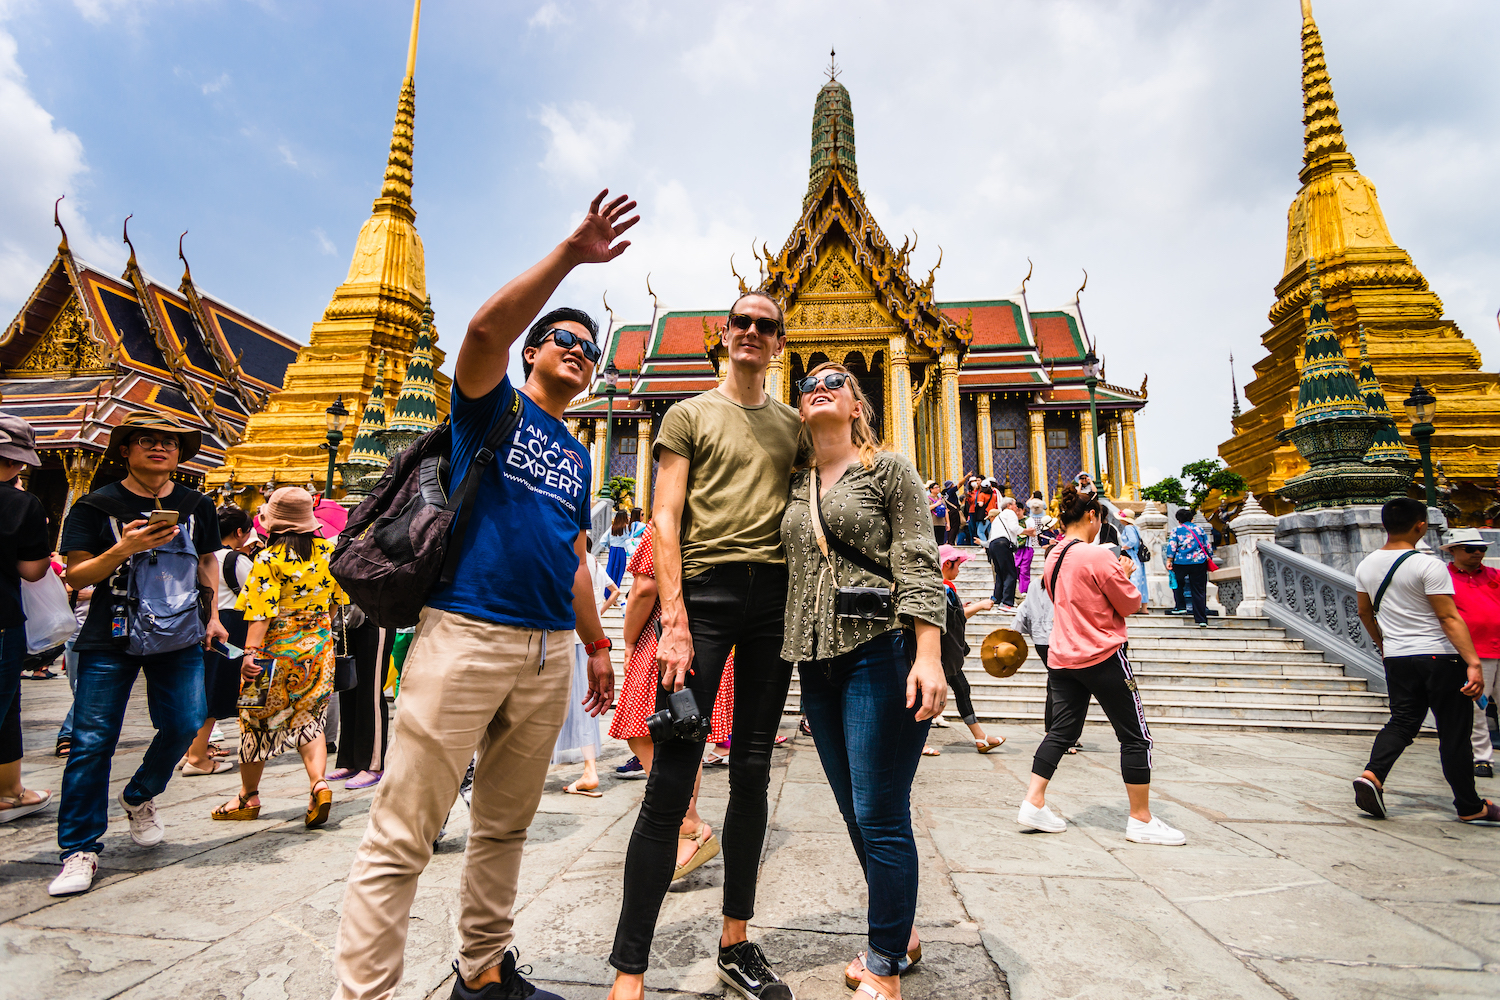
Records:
x=396, y=190
x=1323, y=135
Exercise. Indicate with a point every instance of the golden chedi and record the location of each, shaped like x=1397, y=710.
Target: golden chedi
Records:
x=1367, y=281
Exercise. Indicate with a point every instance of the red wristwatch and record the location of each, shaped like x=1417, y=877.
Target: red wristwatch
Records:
x=593, y=647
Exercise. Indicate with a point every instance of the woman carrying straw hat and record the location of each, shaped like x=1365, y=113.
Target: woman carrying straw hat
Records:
x=287, y=599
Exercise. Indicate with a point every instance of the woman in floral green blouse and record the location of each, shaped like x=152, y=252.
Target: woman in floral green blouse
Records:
x=869, y=696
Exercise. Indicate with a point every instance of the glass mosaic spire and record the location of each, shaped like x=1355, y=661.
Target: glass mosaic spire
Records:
x=416, y=406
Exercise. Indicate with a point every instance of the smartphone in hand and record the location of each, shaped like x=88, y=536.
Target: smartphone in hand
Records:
x=160, y=517
x=226, y=650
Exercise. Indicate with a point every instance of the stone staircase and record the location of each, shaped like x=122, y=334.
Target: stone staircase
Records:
x=1240, y=673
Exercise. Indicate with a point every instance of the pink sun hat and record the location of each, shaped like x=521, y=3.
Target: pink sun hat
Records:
x=948, y=554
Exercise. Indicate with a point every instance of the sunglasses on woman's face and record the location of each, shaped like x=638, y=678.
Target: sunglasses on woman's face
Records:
x=833, y=380
x=567, y=340
x=763, y=326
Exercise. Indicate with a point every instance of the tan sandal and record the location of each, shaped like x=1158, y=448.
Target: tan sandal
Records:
x=322, y=802
x=708, y=848
x=912, y=958
x=866, y=988
x=244, y=811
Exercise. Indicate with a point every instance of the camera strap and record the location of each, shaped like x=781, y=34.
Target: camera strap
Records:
x=826, y=537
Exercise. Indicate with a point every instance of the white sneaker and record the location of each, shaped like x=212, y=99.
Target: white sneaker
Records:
x=77, y=874
x=145, y=828
x=1154, y=832
x=1043, y=819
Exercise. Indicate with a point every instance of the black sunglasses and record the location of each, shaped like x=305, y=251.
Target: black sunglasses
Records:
x=1471, y=549
x=567, y=340
x=833, y=380
x=763, y=326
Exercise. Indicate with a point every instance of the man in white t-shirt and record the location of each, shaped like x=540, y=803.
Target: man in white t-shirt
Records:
x=1406, y=604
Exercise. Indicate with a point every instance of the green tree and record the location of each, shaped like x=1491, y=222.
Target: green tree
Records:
x=1208, y=475
x=1169, y=490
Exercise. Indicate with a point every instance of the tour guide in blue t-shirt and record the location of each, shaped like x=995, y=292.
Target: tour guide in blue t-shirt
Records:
x=491, y=663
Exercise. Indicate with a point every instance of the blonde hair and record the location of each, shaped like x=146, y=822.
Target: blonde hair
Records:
x=861, y=432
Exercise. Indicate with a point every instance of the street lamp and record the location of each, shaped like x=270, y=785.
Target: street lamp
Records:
x=1091, y=379
x=334, y=418
x=1421, y=407
x=610, y=387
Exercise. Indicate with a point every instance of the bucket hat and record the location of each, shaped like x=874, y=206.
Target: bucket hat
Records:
x=189, y=439
x=290, y=508
x=1002, y=652
x=18, y=440
x=1455, y=537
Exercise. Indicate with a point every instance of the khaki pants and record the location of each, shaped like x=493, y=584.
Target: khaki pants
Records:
x=1489, y=670
x=467, y=684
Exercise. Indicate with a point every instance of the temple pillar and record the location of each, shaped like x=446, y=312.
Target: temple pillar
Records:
x=598, y=456
x=899, y=404
x=953, y=456
x=643, y=465
x=79, y=468
x=776, y=383
x=1112, y=448
x=1132, y=455
x=986, y=436
x=1038, y=441
x=1086, y=441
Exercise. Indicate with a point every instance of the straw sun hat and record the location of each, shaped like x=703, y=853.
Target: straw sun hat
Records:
x=290, y=508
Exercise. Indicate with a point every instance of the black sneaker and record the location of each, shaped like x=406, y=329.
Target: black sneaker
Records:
x=745, y=969
x=1483, y=769
x=512, y=985
x=1369, y=797
x=466, y=787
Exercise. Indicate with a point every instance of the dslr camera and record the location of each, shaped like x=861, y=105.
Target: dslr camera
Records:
x=680, y=719
x=869, y=603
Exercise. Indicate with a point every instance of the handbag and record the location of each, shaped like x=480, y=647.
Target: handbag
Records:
x=1208, y=556
x=345, y=677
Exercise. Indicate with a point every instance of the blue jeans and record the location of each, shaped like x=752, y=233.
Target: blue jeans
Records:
x=12, y=655
x=174, y=694
x=870, y=744
x=70, y=664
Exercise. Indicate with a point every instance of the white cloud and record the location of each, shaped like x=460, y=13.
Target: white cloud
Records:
x=549, y=15
x=325, y=245
x=286, y=154
x=43, y=161
x=216, y=85
x=582, y=143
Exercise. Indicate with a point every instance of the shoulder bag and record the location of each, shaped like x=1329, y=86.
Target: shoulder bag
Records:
x=1380, y=593
x=345, y=677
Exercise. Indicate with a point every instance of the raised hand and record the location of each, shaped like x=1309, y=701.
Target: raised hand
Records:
x=593, y=242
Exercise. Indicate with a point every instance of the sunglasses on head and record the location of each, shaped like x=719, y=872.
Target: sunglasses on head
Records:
x=567, y=340
x=833, y=380
x=763, y=326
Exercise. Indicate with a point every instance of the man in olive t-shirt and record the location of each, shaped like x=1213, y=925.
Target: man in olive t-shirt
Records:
x=726, y=464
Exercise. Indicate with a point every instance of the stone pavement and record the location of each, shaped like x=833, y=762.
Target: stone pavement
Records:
x=1284, y=889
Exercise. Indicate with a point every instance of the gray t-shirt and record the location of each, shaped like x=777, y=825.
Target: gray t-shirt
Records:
x=1406, y=618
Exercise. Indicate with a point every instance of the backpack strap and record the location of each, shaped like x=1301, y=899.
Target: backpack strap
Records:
x=230, y=578
x=462, y=498
x=1387, y=581
x=1057, y=568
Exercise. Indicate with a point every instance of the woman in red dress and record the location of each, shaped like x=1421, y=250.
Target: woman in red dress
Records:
x=637, y=700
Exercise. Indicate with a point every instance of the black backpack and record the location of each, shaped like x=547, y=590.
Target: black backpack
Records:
x=954, y=645
x=402, y=542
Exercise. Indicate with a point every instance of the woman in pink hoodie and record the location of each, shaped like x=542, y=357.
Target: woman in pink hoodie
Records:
x=1092, y=593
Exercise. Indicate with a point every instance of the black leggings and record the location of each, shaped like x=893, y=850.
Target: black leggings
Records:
x=1112, y=683
x=962, y=697
x=364, y=720
x=740, y=606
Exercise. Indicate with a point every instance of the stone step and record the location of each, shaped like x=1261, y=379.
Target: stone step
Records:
x=1153, y=695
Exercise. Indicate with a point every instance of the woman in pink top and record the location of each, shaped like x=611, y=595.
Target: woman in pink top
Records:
x=1092, y=593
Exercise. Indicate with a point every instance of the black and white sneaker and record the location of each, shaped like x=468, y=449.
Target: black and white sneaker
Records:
x=745, y=969
x=512, y=985
x=466, y=787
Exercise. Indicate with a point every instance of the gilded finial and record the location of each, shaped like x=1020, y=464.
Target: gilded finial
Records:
x=411, y=50
x=1234, y=389
x=126, y=238
x=57, y=221
x=655, y=302
x=1323, y=134
x=1082, y=286
x=608, y=311
x=744, y=288
x=1029, y=268
x=833, y=66
x=187, y=271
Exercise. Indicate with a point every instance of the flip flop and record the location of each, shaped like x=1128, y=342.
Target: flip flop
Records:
x=986, y=747
x=573, y=789
x=931, y=752
x=716, y=760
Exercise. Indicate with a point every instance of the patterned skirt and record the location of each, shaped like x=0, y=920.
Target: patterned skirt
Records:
x=302, y=645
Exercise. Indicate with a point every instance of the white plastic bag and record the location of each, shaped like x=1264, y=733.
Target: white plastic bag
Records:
x=49, y=620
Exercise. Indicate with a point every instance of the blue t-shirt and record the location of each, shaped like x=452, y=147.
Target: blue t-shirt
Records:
x=517, y=559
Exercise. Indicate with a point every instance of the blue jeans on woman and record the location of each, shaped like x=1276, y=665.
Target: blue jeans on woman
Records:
x=174, y=695
x=870, y=744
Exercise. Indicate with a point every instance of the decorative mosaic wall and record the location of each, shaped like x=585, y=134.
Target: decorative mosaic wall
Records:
x=968, y=419
x=1062, y=463
x=1014, y=463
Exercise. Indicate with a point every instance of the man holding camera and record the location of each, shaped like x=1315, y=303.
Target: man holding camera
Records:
x=104, y=535
x=726, y=463
x=491, y=663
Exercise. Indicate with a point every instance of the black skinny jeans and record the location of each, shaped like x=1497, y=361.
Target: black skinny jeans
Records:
x=1003, y=558
x=740, y=606
x=1192, y=584
x=1415, y=684
x=364, y=720
x=1113, y=684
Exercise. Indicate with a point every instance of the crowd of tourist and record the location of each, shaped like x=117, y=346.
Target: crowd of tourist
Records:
x=782, y=538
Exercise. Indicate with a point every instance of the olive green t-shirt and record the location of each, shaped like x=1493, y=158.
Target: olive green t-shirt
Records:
x=739, y=469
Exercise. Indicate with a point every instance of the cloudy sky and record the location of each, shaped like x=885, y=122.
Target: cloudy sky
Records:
x=1154, y=143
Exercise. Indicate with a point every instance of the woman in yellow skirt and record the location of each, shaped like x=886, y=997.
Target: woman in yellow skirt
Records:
x=286, y=600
